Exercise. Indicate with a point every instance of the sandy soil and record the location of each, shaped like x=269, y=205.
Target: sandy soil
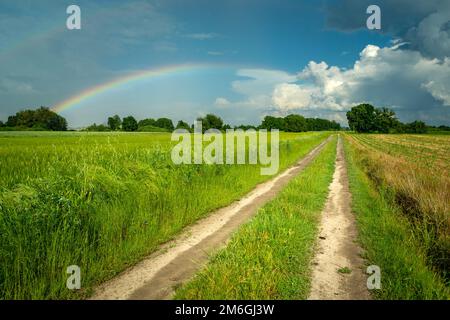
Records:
x=337, y=247
x=177, y=261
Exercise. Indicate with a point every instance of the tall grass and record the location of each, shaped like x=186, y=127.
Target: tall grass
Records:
x=102, y=202
x=269, y=257
x=393, y=239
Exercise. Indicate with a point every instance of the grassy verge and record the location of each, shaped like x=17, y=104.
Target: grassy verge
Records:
x=269, y=257
x=389, y=240
x=102, y=202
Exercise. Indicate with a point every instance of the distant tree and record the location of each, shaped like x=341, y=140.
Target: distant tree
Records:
x=362, y=118
x=270, y=122
x=416, y=127
x=385, y=120
x=42, y=119
x=57, y=123
x=317, y=124
x=1, y=124
x=165, y=123
x=114, y=122
x=211, y=121
x=12, y=121
x=295, y=123
x=226, y=127
x=244, y=127
x=129, y=124
x=98, y=128
x=183, y=125
x=147, y=122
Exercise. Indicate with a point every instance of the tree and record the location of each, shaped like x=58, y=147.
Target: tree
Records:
x=211, y=121
x=98, y=128
x=57, y=123
x=295, y=123
x=129, y=124
x=183, y=125
x=42, y=118
x=270, y=123
x=362, y=118
x=242, y=126
x=12, y=121
x=147, y=122
x=416, y=127
x=317, y=124
x=114, y=123
x=165, y=123
x=385, y=120
x=1, y=124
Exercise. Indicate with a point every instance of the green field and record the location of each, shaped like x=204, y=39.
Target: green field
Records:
x=102, y=202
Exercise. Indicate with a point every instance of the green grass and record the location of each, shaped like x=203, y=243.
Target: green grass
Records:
x=269, y=257
x=102, y=201
x=389, y=240
x=345, y=270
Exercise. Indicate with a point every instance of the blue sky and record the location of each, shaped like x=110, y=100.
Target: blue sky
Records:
x=315, y=58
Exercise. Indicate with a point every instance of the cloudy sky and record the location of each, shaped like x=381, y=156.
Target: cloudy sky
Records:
x=254, y=58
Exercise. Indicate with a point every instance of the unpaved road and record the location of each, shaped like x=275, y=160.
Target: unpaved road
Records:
x=177, y=261
x=337, y=247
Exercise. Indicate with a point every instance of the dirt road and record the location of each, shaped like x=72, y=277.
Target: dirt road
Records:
x=177, y=261
x=337, y=267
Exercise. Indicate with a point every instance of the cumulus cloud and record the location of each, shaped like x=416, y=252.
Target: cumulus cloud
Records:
x=413, y=85
x=416, y=87
x=289, y=96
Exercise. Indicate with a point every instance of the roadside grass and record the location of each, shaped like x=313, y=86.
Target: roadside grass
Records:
x=414, y=172
x=269, y=257
x=389, y=238
x=102, y=202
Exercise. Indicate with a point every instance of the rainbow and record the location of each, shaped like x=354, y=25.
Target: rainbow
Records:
x=129, y=78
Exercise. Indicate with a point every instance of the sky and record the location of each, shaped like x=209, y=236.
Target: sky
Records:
x=239, y=59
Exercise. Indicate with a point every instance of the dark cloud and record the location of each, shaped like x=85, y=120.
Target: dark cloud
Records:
x=423, y=24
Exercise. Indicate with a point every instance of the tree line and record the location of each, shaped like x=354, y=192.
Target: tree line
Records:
x=361, y=118
x=290, y=123
x=365, y=118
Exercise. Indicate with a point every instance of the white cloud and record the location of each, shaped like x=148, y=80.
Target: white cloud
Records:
x=221, y=102
x=202, y=36
x=291, y=96
x=416, y=87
